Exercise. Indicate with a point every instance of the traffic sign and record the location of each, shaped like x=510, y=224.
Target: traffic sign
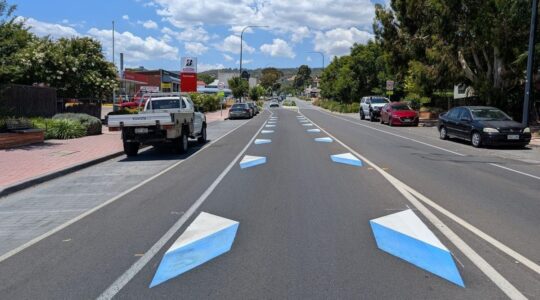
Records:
x=389, y=85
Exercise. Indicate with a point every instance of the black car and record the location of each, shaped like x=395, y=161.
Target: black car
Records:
x=240, y=110
x=483, y=126
x=254, y=108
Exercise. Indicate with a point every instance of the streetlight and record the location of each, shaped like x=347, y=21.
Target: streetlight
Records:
x=530, y=63
x=242, y=42
x=322, y=55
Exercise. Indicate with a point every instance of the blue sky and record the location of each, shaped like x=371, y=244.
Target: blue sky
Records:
x=156, y=33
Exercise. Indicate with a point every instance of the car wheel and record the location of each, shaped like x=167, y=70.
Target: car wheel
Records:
x=181, y=144
x=381, y=120
x=202, y=138
x=443, y=134
x=390, y=121
x=371, y=117
x=476, y=140
x=362, y=116
x=131, y=149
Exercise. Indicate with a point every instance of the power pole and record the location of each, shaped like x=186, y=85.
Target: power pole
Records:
x=530, y=64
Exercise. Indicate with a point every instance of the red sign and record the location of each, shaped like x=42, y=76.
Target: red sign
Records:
x=188, y=82
x=136, y=77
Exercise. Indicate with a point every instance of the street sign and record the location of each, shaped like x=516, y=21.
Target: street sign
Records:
x=188, y=82
x=389, y=85
x=189, y=65
x=221, y=86
x=244, y=75
x=150, y=89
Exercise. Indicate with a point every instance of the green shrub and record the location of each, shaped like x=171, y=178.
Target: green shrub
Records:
x=206, y=101
x=90, y=123
x=60, y=128
x=338, y=107
x=124, y=111
x=289, y=103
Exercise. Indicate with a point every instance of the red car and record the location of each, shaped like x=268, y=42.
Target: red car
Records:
x=398, y=113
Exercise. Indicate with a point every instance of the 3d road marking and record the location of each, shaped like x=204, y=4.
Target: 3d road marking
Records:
x=346, y=158
x=324, y=140
x=404, y=235
x=313, y=130
x=262, y=141
x=308, y=125
x=271, y=122
x=267, y=131
x=251, y=161
x=207, y=237
x=270, y=126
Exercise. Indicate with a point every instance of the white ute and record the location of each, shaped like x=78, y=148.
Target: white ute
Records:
x=166, y=118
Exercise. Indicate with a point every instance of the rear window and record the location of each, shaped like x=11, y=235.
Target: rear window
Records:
x=238, y=106
x=166, y=104
x=379, y=100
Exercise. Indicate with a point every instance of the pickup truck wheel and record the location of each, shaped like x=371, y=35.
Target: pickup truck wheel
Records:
x=202, y=138
x=181, y=143
x=131, y=149
x=362, y=116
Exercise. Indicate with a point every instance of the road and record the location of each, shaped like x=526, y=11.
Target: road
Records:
x=304, y=220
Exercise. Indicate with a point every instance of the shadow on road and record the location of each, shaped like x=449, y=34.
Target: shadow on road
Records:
x=163, y=153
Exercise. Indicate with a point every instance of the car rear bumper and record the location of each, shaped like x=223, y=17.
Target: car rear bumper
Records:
x=239, y=115
x=501, y=139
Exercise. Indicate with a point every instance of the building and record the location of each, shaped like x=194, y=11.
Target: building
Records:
x=166, y=81
x=223, y=77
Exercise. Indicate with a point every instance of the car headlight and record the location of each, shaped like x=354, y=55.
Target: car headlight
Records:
x=527, y=130
x=490, y=130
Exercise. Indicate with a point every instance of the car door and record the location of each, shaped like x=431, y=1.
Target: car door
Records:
x=464, y=125
x=197, y=117
x=451, y=121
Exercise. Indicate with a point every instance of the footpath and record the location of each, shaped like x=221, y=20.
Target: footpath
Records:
x=25, y=166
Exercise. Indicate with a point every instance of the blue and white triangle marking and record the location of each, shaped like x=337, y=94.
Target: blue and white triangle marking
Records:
x=207, y=237
x=404, y=235
x=314, y=130
x=270, y=126
x=324, y=140
x=346, y=158
x=308, y=125
x=251, y=161
x=271, y=122
x=262, y=141
x=267, y=131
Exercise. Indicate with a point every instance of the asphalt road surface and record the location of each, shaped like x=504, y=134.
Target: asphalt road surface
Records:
x=304, y=228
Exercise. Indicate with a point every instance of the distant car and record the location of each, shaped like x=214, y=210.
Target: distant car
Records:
x=253, y=107
x=274, y=104
x=240, y=110
x=398, y=113
x=371, y=106
x=483, y=126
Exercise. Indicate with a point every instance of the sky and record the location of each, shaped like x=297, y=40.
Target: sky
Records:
x=157, y=33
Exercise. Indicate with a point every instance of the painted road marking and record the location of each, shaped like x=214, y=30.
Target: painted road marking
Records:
x=416, y=200
x=270, y=126
x=324, y=140
x=267, y=131
x=404, y=235
x=206, y=238
x=346, y=158
x=251, y=161
x=313, y=130
x=262, y=141
x=126, y=277
x=271, y=122
x=308, y=125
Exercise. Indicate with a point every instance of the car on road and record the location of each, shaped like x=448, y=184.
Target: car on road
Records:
x=254, y=108
x=240, y=110
x=483, y=126
x=370, y=106
x=274, y=104
x=398, y=113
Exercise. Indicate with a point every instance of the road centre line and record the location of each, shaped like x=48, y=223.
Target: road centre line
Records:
x=111, y=200
x=474, y=257
x=126, y=277
x=426, y=144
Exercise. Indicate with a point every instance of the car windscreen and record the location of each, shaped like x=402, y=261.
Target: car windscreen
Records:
x=379, y=100
x=166, y=104
x=401, y=107
x=489, y=114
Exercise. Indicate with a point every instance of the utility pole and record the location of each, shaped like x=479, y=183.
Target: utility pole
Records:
x=113, y=58
x=322, y=55
x=242, y=42
x=530, y=64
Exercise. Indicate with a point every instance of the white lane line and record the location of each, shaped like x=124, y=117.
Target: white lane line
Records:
x=91, y=211
x=426, y=144
x=126, y=277
x=474, y=257
x=515, y=171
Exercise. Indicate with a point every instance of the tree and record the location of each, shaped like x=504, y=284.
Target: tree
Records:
x=302, y=78
x=256, y=92
x=269, y=77
x=239, y=87
x=207, y=78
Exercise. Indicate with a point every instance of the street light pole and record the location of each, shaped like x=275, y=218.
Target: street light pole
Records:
x=242, y=42
x=322, y=55
x=530, y=63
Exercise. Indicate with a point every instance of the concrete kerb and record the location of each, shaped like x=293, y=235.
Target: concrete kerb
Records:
x=10, y=189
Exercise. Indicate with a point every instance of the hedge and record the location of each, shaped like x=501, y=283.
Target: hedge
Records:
x=90, y=123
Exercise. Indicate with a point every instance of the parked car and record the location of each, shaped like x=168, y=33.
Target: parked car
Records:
x=483, y=126
x=398, y=113
x=274, y=104
x=240, y=110
x=371, y=106
x=254, y=108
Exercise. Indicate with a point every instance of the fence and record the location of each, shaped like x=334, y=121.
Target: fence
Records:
x=83, y=106
x=27, y=101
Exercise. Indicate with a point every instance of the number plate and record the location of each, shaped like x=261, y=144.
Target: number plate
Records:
x=513, y=136
x=141, y=130
x=406, y=120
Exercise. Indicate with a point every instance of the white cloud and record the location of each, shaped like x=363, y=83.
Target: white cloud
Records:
x=201, y=67
x=135, y=48
x=190, y=34
x=337, y=42
x=149, y=24
x=232, y=44
x=55, y=31
x=278, y=48
x=308, y=58
x=238, y=29
x=195, y=48
x=299, y=34
x=244, y=61
x=125, y=17
x=227, y=57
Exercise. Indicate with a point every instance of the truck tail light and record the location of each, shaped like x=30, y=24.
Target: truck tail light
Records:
x=167, y=127
x=114, y=128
